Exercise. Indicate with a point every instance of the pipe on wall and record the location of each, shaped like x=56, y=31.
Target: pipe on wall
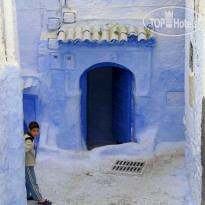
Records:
x=2, y=44
x=9, y=31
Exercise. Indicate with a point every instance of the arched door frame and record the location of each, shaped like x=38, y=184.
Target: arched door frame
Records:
x=83, y=86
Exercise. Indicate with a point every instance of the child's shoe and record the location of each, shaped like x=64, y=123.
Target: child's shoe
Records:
x=30, y=198
x=45, y=202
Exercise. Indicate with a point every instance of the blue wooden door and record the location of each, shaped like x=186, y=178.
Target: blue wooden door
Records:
x=122, y=120
x=122, y=103
x=29, y=108
x=83, y=86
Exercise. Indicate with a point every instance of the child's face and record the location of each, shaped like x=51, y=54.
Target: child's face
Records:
x=34, y=132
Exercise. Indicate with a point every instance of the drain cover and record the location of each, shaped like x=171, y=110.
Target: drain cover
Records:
x=128, y=166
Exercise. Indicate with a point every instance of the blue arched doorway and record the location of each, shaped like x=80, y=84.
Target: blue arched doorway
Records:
x=107, y=114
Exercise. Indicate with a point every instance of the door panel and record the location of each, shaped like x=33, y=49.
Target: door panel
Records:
x=121, y=102
x=83, y=86
x=29, y=108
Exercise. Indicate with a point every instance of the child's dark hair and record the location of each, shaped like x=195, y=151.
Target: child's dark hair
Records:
x=33, y=125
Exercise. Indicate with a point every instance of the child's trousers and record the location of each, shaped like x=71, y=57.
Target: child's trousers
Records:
x=31, y=184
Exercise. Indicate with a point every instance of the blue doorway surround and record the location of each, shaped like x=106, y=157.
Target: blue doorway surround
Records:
x=29, y=108
x=122, y=108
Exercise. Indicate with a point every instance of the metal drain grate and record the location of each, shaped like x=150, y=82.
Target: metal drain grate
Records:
x=128, y=166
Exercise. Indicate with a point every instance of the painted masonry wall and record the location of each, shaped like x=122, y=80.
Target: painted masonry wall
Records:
x=12, y=166
x=193, y=114
x=167, y=70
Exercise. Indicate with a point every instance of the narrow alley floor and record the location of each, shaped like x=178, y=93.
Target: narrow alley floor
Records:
x=85, y=178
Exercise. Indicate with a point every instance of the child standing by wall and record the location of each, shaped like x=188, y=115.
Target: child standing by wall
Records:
x=32, y=189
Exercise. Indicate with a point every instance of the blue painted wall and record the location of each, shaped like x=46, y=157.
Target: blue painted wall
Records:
x=158, y=88
x=158, y=71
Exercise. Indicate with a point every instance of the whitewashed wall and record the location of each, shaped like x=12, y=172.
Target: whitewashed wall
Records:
x=12, y=166
x=4, y=165
x=193, y=114
x=12, y=152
